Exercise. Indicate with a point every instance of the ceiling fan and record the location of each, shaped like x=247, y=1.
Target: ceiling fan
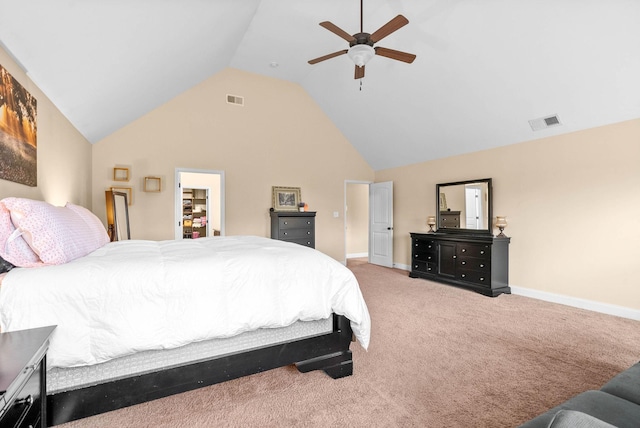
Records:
x=361, y=48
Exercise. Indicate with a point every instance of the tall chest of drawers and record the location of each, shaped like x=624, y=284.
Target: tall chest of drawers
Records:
x=480, y=263
x=292, y=226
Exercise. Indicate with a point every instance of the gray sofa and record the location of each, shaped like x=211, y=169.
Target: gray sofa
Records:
x=616, y=404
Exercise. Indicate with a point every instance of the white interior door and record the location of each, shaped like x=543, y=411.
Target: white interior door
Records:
x=473, y=207
x=381, y=223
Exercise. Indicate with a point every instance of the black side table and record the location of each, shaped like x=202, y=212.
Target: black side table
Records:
x=23, y=385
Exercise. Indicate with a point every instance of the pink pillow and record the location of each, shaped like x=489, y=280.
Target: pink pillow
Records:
x=96, y=232
x=56, y=234
x=13, y=247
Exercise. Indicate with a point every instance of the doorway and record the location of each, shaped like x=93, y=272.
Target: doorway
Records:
x=210, y=184
x=356, y=219
x=369, y=221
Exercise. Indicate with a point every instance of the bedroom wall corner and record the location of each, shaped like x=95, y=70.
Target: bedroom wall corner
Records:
x=280, y=137
x=570, y=201
x=63, y=156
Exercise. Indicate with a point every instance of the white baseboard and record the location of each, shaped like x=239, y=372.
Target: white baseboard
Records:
x=576, y=302
x=591, y=305
x=357, y=255
x=403, y=267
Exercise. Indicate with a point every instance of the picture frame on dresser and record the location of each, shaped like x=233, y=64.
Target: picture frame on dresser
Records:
x=285, y=198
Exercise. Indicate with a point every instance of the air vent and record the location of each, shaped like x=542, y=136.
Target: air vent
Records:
x=235, y=99
x=545, y=122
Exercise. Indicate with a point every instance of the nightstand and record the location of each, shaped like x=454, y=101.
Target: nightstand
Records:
x=23, y=386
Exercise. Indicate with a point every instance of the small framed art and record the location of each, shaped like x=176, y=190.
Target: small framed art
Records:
x=120, y=174
x=126, y=190
x=152, y=184
x=285, y=198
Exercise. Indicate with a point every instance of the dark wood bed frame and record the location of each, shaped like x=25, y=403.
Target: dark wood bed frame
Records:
x=329, y=352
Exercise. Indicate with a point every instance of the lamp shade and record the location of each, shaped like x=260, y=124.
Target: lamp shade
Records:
x=361, y=54
x=501, y=222
x=431, y=220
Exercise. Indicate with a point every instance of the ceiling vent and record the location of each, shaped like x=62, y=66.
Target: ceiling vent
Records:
x=235, y=99
x=545, y=122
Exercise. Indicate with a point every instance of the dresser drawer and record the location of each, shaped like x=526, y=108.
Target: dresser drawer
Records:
x=296, y=223
x=25, y=407
x=289, y=234
x=308, y=242
x=481, y=264
x=474, y=250
x=475, y=277
x=420, y=266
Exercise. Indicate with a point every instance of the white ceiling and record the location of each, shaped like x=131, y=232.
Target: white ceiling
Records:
x=483, y=68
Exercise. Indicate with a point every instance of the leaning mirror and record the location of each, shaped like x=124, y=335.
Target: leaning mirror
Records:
x=464, y=207
x=117, y=216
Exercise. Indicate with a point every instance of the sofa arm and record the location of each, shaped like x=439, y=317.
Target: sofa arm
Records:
x=574, y=419
x=625, y=385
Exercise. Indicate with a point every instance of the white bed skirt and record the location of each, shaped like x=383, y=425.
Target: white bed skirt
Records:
x=66, y=379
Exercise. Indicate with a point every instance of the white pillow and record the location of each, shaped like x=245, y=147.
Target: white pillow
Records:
x=56, y=234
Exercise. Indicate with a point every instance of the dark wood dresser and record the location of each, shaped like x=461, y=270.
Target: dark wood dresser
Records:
x=294, y=226
x=23, y=377
x=477, y=262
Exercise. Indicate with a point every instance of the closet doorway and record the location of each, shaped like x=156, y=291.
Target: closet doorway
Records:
x=199, y=193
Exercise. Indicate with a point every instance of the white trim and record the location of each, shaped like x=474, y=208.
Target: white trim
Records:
x=576, y=302
x=357, y=255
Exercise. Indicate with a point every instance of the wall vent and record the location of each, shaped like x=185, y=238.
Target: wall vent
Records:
x=235, y=99
x=545, y=122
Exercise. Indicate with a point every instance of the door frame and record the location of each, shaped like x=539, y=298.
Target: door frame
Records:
x=178, y=198
x=345, y=210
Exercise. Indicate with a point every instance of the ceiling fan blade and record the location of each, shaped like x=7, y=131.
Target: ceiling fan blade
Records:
x=329, y=56
x=338, y=31
x=388, y=28
x=359, y=74
x=393, y=54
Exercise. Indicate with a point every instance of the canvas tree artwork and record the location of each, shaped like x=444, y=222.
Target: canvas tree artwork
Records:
x=18, y=130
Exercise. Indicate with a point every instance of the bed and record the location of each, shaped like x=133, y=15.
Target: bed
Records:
x=139, y=320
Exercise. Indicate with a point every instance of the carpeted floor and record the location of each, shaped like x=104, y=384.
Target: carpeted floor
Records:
x=439, y=357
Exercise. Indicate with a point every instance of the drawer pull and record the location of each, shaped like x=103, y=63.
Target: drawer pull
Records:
x=286, y=222
x=455, y=257
x=482, y=252
x=285, y=233
x=463, y=262
x=464, y=250
x=481, y=265
x=481, y=278
x=463, y=275
x=308, y=232
x=308, y=222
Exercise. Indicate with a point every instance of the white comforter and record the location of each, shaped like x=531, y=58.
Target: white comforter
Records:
x=131, y=296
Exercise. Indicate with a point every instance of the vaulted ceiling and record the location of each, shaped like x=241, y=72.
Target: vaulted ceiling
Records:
x=483, y=70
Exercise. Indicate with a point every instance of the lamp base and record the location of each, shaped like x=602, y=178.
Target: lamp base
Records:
x=501, y=234
x=431, y=229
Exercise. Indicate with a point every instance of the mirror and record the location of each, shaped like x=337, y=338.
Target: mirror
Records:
x=117, y=215
x=464, y=207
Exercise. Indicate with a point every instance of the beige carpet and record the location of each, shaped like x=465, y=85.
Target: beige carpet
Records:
x=439, y=357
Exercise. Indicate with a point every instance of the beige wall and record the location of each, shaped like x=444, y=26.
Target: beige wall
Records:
x=279, y=138
x=357, y=218
x=64, y=155
x=571, y=201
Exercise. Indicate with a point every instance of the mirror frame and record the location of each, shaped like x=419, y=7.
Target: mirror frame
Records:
x=488, y=230
x=117, y=216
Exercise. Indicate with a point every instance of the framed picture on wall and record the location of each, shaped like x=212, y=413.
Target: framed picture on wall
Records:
x=285, y=198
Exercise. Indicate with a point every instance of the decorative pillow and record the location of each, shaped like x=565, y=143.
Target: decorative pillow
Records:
x=56, y=234
x=13, y=248
x=96, y=232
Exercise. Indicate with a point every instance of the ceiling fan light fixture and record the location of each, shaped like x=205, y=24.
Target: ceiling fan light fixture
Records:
x=361, y=54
